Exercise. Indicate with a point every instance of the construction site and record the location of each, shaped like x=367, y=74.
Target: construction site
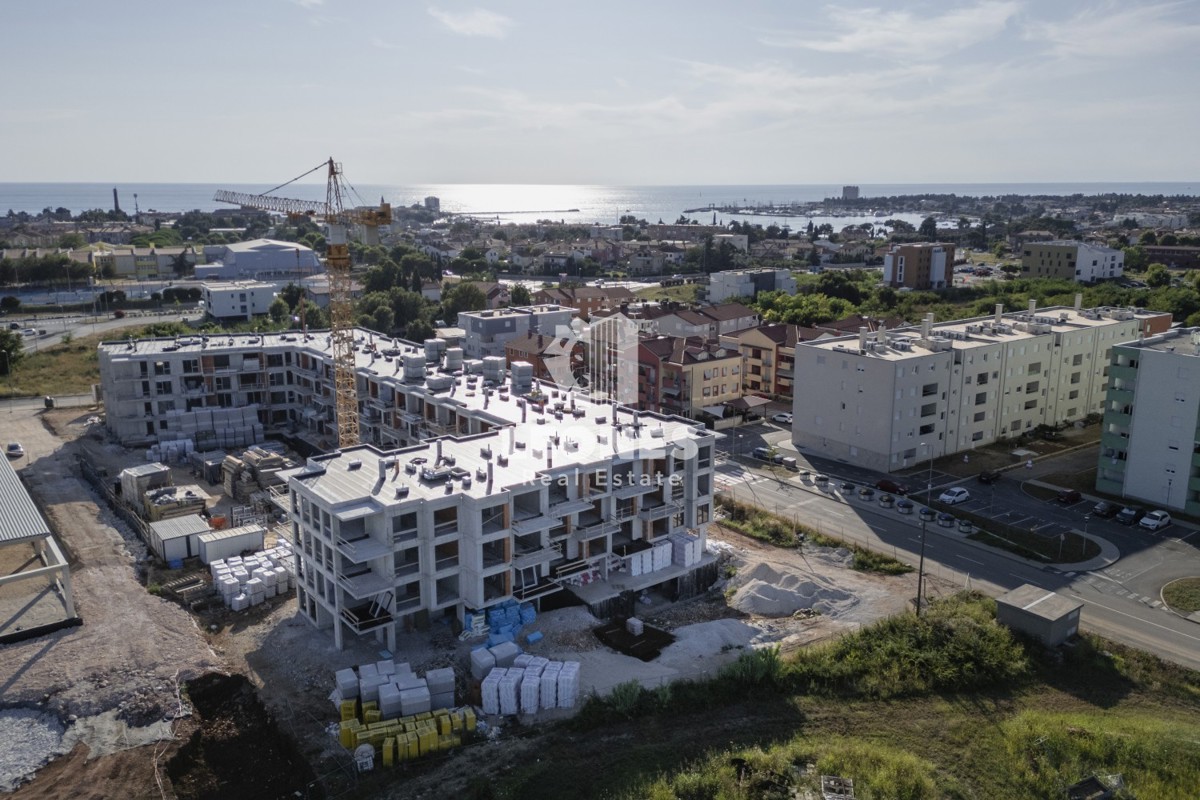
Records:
x=337, y=561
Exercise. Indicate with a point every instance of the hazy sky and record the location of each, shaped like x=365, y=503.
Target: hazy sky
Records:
x=614, y=92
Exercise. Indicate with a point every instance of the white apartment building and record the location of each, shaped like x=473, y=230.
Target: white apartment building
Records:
x=486, y=332
x=1071, y=260
x=1149, y=440
x=387, y=539
x=733, y=283
x=474, y=484
x=886, y=400
x=238, y=300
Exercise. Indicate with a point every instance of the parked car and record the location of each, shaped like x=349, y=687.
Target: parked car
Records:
x=954, y=495
x=1130, y=514
x=989, y=476
x=891, y=487
x=785, y=419
x=1069, y=497
x=1155, y=520
x=763, y=453
x=1105, y=510
x=14, y=450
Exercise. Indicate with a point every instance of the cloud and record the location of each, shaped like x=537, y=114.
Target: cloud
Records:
x=1111, y=30
x=476, y=22
x=875, y=31
x=309, y=3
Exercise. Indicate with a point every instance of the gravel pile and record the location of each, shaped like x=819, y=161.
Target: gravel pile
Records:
x=766, y=591
x=31, y=739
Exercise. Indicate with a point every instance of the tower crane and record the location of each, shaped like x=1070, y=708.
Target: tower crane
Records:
x=337, y=219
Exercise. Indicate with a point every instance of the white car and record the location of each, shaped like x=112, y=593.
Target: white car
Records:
x=14, y=450
x=1155, y=520
x=786, y=419
x=954, y=496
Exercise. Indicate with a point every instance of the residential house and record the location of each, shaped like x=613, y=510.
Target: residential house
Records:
x=748, y=283
x=688, y=376
x=1071, y=260
x=487, y=332
x=554, y=358
x=586, y=299
x=919, y=266
x=768, y=358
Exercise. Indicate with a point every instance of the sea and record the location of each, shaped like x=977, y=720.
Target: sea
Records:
x=581, y=204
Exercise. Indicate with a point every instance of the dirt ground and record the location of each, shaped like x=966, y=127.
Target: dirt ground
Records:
x=133, y=647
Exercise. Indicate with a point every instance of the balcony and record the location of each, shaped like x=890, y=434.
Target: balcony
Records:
x=534, y=590
x=534, y=558
x=659, y=511
x=362, y=549
x=364, y=583
x=1125, y=374
x=1122, y=397
x=445, y=529
x=405, y=537
x=534, y=523
x=561, y=508
x=594, y=531
x=635, y=489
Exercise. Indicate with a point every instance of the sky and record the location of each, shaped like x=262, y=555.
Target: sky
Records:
x=616, y=92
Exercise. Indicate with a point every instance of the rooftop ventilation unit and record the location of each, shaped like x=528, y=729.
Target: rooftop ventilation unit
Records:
x=355, y=464
x=401, y=492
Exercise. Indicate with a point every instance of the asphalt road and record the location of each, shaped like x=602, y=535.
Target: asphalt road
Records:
x=1121, y=601
x=76, y=325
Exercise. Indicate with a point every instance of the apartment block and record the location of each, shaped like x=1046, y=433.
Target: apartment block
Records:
x=919, y=266
x=687, y=376
x=768, y=358
x=1071, y=260
x=240, y=300
x=888, y=399
x=597, y=500
x=486, y=332
x=733, y=283
x=1150, y=439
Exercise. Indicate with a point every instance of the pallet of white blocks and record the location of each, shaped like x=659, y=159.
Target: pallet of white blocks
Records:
x=548, y=695
x=568, y=684
x=685, y=549
x=347, y=683
x=663, y=551
x=441, y=687
x=635, y=626
x=510, y=690
x=531, y=685
x=482, y=662
x=490, y=690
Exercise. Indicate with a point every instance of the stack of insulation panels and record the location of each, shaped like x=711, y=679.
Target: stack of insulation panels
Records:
x=490, y=689
x=635, y=626
x=663, y=551
x=482, y=662
x=568, y=684
x=255, y=578
x=441, y=687
x=548, y=694
x=685, y=549
x=510, y=686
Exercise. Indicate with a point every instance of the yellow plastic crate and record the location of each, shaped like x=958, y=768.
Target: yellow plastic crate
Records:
x=443, y=725
x=349, y=709
x=412, y=746
x=449, y=740
x=427, y=743
x=370, y=705
x=389, y=752
x=469, y=719
x=456, y=722
x=371, y=716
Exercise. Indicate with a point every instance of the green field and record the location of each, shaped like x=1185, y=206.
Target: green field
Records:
x=948, y=706
x=69, y=368
x=1183, y=595
x=686, y=293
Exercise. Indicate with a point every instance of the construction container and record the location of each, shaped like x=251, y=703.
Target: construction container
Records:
x=215, y=545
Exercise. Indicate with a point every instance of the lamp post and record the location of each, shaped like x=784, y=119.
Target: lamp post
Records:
x=924, y=522
x=8, y=371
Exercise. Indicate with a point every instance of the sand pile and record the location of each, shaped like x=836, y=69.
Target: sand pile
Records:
x=766, y=591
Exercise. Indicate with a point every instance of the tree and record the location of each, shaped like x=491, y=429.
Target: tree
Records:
x=928, y=229
x=419, y=330
x=180, y=264
x=9, y=303
x=13, y=346
x=1157, y=276
x=72, y=241
x=279, y=310
x=1135, y=258
x=383, y=320
x=291, y=294
x=519, y=295
x=462, y=297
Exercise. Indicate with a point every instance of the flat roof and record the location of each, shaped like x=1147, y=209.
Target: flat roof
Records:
x=178, y=527
x=1181, y=341
x=355, y=477
x=233, y=533
x=981, y=331
x=1039, y=602
x=20, y=519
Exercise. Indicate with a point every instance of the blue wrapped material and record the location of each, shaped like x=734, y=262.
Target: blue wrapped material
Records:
x=528, y=615
x=536, y=636
x=499, y=638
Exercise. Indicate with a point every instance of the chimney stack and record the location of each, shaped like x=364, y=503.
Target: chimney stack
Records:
x=1078, y=300
x=1032, y=305
x=927, y=326
x=862, y=339
x=999, y=313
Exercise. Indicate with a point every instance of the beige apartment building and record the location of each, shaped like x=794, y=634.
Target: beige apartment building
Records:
x=687, y=376
x=1072, y=261
x=919, y=266
x=768, y=359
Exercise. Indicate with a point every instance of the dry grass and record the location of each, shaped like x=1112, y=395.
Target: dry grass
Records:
x=1183, y=595
x=69, y=368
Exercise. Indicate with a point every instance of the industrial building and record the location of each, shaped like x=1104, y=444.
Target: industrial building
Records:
x=1149, y=438
x=888, y=399
x=1071, y=260
x=259, y=259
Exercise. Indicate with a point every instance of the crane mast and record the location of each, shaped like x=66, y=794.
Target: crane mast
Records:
x=338, y=220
